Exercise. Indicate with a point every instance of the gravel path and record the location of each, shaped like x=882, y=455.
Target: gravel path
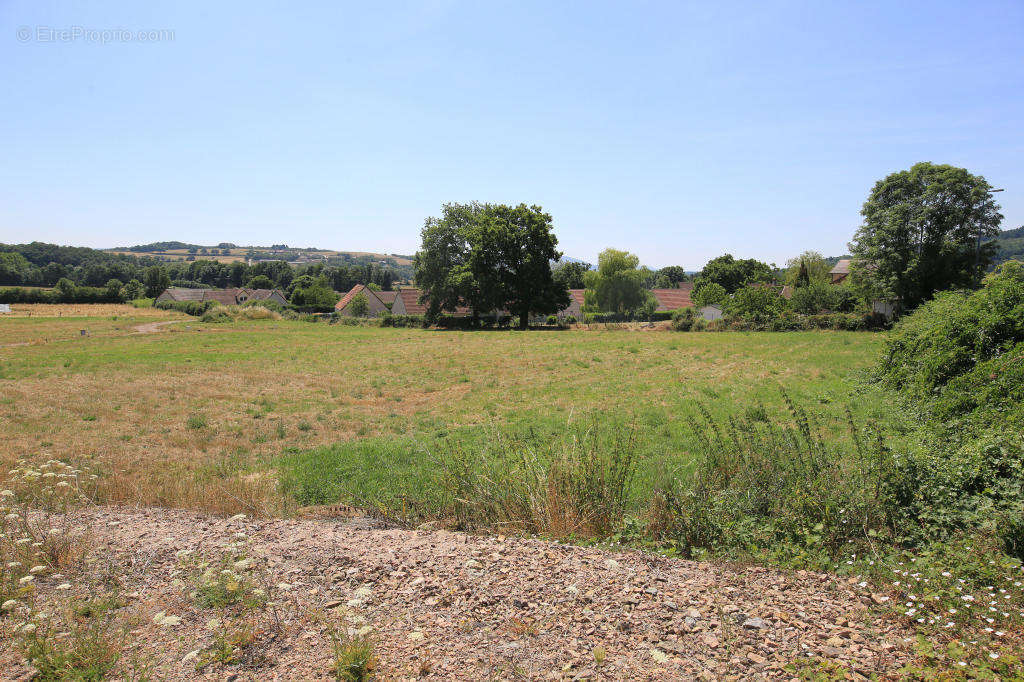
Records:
x=446, y=605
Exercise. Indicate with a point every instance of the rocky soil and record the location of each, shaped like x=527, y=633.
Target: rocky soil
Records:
x=443, y=605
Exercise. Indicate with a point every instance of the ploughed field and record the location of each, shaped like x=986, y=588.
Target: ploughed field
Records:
x=261, y=417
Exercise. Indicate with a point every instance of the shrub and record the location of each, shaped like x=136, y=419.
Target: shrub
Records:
x=760, y=484
x=952, y=350
x=682, y=320
x=194, y=308
x=217, y=314
x=576, y=486
x=402, y=321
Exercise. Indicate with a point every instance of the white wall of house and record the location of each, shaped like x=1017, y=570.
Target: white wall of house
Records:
x=711, y=312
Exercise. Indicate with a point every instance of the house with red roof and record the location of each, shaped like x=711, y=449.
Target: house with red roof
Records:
x=376, y=304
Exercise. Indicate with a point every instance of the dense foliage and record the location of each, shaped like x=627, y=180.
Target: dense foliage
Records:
x=43, y=265
x=925, y=230
x=490, y=257
x=617, y=286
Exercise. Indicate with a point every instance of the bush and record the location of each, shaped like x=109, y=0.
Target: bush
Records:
x=576, y=486
x=963, y=351
x=402, y=321
x=682, y=320
x=759, y=484
x=194, y=308
x=216, y=314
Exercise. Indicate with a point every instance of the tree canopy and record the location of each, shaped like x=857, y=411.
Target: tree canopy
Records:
x=925, y=230
x=808, y=267
x=570, y=274
x=732, y=274
x=617, y=286
x=490, y=257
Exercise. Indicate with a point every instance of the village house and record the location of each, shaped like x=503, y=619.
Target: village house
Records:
x=377, y=302
x=407, y=302
x=674, y=299
x=223, y=296
x=841, y=271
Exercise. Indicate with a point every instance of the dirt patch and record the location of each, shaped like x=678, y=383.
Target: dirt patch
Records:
x=152, y=327
x=445, y=605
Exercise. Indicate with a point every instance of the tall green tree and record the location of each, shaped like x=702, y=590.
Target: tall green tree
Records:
x=156, y=280
x=925, y=230
x=674, y=273
x=732, y=274
x=617, y=286
x=490, y=257
x=570, y=274
x=517, y=245
x=808, y=267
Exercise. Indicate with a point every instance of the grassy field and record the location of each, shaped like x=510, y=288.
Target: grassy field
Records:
x=215, y=416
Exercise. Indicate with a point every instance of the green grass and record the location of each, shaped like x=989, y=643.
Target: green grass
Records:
x=353, y=412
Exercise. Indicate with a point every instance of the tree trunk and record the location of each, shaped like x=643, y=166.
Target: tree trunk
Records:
x=524, y=318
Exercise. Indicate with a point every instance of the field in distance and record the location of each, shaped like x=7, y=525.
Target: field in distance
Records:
x=235, y=253
x=262, y=416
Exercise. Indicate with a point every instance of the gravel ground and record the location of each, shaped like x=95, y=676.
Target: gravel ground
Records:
x=446, y=605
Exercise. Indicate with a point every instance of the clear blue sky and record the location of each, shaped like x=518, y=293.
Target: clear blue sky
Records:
x=677, y=131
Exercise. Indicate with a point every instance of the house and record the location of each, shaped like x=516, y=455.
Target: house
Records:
x=674, y=299
x=841, y=271
x=223, y=296
x=407, y=302
x=5, y=308
x=712, y=312
x=575, y=307
x=375, y=304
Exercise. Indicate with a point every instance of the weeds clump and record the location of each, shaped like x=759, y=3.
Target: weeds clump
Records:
x=84, y=642
x=576, y=486
x=36, y=538
x=354, y=657
x=760, y=486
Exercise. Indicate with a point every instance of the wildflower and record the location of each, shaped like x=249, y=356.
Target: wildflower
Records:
x=9, y=605
x=26, y=580
x=28, y=628
x=967, y=597
x=64, y=586
x=6, y=493
x=36, y=570
x=945, y=574
x=993, y=655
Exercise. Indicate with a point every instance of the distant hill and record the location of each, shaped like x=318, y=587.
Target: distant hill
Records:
x=226, y=252
x=1011, y=245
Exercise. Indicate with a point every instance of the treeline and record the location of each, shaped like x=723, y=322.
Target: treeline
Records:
x=44, y=265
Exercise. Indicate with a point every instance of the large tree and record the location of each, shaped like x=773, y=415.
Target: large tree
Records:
x=570, y=274
x=490, y=257
x=808, y=267
x=731, y=274
x=925, y=230
x=617, y=285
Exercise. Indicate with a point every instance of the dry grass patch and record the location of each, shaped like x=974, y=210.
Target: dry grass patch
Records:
x=196, y=417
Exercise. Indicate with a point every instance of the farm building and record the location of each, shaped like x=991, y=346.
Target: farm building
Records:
x=674, y=299
x=575, y=307
x=407, y=302
x=222, y=296
x=841, y=271
x=376, y=304
x=712, y=312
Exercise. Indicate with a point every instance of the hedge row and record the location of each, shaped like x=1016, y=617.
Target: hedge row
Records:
x=76, y=295
x=689, y=320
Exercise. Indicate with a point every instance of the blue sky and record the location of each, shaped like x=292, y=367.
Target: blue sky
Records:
x=677, y=131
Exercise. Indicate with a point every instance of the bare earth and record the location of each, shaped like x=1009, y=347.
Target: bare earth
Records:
x=446, y=605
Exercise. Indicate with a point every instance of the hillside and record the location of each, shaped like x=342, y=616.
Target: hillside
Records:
x=226, y=252
x=1011, y=245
